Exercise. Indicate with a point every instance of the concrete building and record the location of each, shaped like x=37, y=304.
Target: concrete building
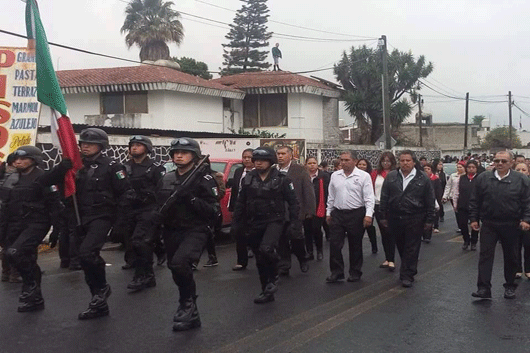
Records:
x=284, y=102
x=448, y=137
x=147, y=96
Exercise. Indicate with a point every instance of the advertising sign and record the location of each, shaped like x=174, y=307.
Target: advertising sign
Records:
x=19, y=108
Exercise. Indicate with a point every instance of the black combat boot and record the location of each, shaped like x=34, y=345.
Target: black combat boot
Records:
x=98, y=306
x=142, y=279
x=264, y=298
x=187, y=316
x=30, y=299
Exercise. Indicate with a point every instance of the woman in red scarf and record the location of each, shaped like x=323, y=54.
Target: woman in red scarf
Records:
x=387, y=163
x=313, y=226
x=438, y=194
x=461, y=203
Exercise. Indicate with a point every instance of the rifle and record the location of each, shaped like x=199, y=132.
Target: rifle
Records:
x=195, y=173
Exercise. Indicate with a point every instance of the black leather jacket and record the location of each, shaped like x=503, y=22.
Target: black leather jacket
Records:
x=416, y=201
x=506, y=200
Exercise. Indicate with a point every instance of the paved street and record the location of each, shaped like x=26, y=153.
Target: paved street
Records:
x=374, y=315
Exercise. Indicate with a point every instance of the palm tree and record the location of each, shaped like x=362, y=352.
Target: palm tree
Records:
x=151, y=24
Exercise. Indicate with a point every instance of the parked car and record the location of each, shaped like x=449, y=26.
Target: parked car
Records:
x=228, y=168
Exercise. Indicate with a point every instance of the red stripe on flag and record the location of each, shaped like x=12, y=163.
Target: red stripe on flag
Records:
x=66, y=135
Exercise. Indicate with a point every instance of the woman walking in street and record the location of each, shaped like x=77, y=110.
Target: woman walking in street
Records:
x=524, y=241
x=452, y=186
x=364, y=164
x=313, y=225
x=387, y=163
x=461, y=205
x=438, y=193
x=439, y=170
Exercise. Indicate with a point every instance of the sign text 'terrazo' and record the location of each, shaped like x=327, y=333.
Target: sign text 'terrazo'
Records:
x=19, y=108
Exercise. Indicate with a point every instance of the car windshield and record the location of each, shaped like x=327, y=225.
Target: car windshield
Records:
x=218, y=166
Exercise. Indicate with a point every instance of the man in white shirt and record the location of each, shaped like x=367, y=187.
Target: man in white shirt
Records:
x=349, y=211
x=407, y=209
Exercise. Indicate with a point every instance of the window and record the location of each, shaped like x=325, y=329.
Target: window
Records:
x=218, y=166
x=124, y=102
x=265, y=110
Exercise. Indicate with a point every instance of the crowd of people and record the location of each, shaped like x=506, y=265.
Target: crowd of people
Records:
x=280, y=208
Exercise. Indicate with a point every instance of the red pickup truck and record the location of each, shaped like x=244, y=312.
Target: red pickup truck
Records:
x=228, y=168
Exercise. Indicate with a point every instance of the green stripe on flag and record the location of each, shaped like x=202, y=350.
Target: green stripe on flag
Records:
x=48, y=89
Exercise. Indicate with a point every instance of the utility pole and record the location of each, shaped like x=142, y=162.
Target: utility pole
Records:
x=386, y=98
x=510, y=118
x=421, y=120
x=466, y=121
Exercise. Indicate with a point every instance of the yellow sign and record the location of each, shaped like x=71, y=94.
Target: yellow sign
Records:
x=19, y=108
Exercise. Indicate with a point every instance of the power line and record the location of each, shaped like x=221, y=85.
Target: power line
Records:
x=460, y=98
x=290, y=25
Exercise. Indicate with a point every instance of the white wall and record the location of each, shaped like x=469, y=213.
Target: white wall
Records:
x=184, y=111
x=80, y=105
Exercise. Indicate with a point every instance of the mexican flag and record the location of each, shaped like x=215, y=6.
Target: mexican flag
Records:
x=49, y=93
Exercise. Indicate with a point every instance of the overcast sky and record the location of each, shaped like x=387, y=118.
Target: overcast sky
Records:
x=481, y=46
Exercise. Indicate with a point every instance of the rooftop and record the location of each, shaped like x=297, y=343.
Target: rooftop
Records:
x=266, y=82
x=141, y=78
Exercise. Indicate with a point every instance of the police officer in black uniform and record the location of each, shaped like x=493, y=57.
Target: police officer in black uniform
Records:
x=102, y=187
x=187, y=224
x=261, y=205
x=144, y=175
x=28, y=201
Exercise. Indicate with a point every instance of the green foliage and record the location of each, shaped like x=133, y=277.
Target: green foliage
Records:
x=247, y=35
x=260, y=133
x=499, y=137
x=477, y=120
x=150, y=24
x=193, y=67
x=359, y=72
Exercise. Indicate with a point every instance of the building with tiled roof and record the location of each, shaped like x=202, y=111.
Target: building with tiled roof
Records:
x=147, y=97
x=288, y=103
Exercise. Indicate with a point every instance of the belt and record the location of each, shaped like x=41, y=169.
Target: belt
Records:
x=350, y=210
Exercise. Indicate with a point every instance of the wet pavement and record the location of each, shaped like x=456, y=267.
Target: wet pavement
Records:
x=374, y=315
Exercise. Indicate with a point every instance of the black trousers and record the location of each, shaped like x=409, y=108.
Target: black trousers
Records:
x=210, y=244
x=523, y=245
x=184, y=247
x=93, y=265
x=387, y=237
x=408, y=233
x=291, y=243
x=463, y=224
x=22, y=252
x=263, y=240
x=313, y=233
x=144, y=232
x=239, y=233
x=490, y=233
x=344, y=224
x=68, y=242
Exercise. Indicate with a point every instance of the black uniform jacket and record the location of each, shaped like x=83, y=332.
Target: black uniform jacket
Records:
x=144, y=178
x=102, y=187
x=196, y=206
x=506, y=200
x=263, y=201
x=417, y=200
x=325, y=177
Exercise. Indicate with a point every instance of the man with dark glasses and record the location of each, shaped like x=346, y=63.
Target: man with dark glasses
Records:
x=186, y=224
x=102, y=188
x=501, y=201
x=144, y=175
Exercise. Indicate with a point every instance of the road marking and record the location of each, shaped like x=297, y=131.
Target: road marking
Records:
x=252, y=342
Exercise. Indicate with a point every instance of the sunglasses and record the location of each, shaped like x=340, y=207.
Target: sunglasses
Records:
x=181, y=142
x=136, y=138
x=260, y=153
x=503, y=161
x=20, y=153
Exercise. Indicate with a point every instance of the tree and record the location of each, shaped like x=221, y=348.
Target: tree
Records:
x=257, y=132
x=247, y=34
x=150, y=24
x=360, y=71
x=499, y=137
x=477, y=120
x=193, y=67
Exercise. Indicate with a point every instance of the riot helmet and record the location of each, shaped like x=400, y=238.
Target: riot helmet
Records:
x=264, y=154
x=31, y=152
x=142, y=140
x=185, y=144
x=95, y=135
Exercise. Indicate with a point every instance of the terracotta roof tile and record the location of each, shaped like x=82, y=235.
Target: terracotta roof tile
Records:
x=269, y=79
x=133, y=75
